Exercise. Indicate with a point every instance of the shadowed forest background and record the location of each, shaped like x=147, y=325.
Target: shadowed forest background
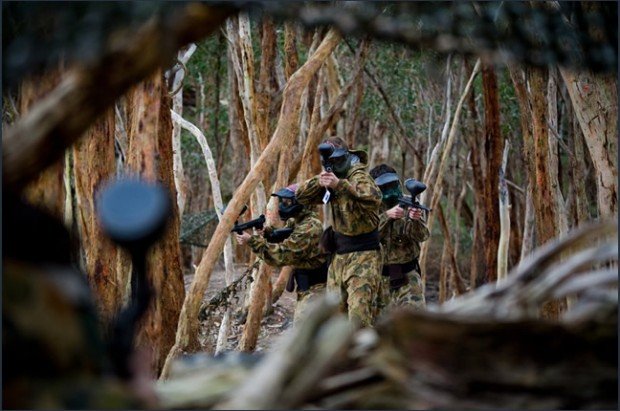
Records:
x=512, y=127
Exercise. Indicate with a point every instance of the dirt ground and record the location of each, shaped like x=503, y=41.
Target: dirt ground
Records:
x=280, y=318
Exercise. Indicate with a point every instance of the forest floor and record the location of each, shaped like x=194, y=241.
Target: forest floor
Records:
x=273, y=325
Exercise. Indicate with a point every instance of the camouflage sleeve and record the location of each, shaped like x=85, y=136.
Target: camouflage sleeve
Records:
x=310, y=192
x=383, y=224
x=363, y=189
x=289, y=252
x=418, y=231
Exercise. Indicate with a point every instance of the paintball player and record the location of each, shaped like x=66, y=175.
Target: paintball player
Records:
x=354, y=200
x=299, y=250
x=401, y=233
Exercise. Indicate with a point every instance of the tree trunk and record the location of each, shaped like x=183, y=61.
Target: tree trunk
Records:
x=219, y=205
x=595, y=101
x=456, y=280
x=177, y=106
x=477, y=160
x=504, y=219
x=93, y=165
x=493, y=155
x=283, y=135
x=46, y=190
x=150, y=156
x=438, y=186
x=545, y=199
x=256, y=110
x=529, y=225
x=554, y=162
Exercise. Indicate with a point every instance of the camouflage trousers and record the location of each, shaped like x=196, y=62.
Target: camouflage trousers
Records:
x=305, y=300
x=409, y=295
x=356, y=279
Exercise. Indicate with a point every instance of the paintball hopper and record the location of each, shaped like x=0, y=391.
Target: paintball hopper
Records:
x=414, y=187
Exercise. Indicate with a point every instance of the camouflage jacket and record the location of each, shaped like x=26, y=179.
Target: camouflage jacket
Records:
x=401, y=238
x=54, y=354
x=300, y=249
x=354, y=203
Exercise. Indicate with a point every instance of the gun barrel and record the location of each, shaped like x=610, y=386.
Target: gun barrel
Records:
x=256, y=223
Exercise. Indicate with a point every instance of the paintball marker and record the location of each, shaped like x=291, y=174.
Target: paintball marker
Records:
x=279, y=235
x=256, y=223
x=415, y=188
x=326, y=150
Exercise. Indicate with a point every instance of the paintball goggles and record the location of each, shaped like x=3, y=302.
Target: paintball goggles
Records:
x=279, y=235
x=415, y=188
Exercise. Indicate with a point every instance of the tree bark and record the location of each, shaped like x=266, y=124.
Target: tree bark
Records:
x=93, y=165
x=545, y=200
x=595, y=101
x=504, y=219
x=477, y=160
x=47, y=188
x=493, y=155
x=289, y=116
x=554, y=161
x=177, y=106
x=150, y=156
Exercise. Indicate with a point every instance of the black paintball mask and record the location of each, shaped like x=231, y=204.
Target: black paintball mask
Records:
x=292, y=208
x=389, y=183
x=341, y=162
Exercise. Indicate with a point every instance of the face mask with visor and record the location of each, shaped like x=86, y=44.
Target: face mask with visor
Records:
x=389, y=184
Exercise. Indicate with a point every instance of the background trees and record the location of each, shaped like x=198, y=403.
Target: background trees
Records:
x=264, y=92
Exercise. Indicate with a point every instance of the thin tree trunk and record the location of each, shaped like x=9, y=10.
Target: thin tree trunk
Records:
x=310, y=156
x=177, y=106
x=352, y=120
x=219, y=205
x=493, y=150
x=554, y=162
x=545, y=200
x=595, y=102
x=150, y=155
x=504, y=219
x=438, y=186
x=256, y=110
x=578, y=173
x=529, y=225
x=401, y=134
x=477, y=160
x=456, y=279
x=283, y=135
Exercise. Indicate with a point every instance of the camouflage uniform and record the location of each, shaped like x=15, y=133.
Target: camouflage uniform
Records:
x=54, y=356
x=53, y=350
x=355, y=204
x=300, y=250
x=401, y=240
